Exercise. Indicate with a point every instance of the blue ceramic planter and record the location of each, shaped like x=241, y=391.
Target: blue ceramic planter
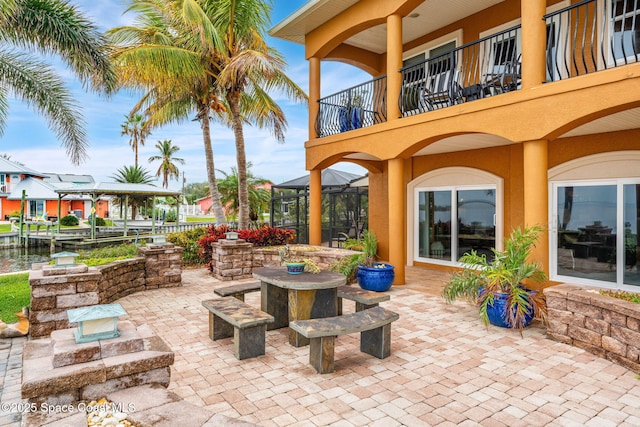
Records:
x=497, y=311
x=378, y=279
x=295, y=267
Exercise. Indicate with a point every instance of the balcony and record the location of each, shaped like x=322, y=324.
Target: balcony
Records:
x=586, y=37
x=360, y=106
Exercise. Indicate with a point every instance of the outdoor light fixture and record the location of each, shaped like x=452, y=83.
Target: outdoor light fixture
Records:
x=65, y=259
x=96, y=322
x=231, y=235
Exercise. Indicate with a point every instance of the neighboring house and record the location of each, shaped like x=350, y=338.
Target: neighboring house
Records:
x=41, y=199
x=483, y=116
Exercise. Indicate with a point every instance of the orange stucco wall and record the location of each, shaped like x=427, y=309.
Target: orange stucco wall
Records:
x=537, y=114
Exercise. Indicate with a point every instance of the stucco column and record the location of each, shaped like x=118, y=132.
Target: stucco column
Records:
x=536, y=195
x=396, y=218
x=315, y=207
x=314, y=94
x=534, y=35
x=394, y=63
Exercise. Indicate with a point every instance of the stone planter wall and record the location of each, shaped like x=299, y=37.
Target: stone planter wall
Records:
x=236, y=259
x=605, y=326
x=54, y=290
x=231, y=259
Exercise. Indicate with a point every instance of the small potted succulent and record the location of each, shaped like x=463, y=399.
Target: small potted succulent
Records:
x=296, y=264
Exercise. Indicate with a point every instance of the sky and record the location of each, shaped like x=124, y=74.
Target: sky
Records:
x=27, y=138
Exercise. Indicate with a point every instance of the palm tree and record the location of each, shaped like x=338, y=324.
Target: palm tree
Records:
x=250, y=71
x=161, y=56
x=138, y=130
x=259, y=197
x=167, y=167
x=206, y=59
x=51, y=27
x=133, y=175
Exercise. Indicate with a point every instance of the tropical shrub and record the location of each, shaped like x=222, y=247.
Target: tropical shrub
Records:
x=171, y=216
x=263, y=236
x=100, y=222
x=69, y=220
x=188, y=241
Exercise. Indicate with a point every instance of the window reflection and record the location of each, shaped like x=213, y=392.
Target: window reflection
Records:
x=587, y=232
x=631, y=217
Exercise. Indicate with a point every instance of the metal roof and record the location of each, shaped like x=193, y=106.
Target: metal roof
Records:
x=7, y=166
x=116, y=189
x=330, y=178
x=36, y=189
x=68, y=178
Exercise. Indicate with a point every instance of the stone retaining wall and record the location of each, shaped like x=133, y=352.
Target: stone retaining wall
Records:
x=236, y=259
x=605, y=326
x=54, y=290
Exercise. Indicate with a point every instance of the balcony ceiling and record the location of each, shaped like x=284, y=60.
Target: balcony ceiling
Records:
x=624, y=120
x=431, y=15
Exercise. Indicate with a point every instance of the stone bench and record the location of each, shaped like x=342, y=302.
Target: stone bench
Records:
x=238, y=290
x=374, y=325
x=364, y=299
x=228, y=316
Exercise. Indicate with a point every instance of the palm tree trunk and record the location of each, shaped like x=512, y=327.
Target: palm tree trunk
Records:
x=233, y=98
x=211, y=171
x=135, y=149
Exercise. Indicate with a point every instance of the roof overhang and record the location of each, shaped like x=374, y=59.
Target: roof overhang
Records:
x=118, y=189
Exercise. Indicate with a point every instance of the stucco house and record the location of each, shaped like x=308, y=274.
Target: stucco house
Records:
x=41, y=199
x=479, y=117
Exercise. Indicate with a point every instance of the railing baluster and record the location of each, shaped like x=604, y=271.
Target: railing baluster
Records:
x=592, y=46
x=360, y=106
x=576, y=44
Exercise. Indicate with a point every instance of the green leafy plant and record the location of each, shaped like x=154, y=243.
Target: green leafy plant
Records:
x=290, y=256
x=192, y=253
x=507, y=273
x=623, y=295
x=349, y=265
x=69, y=220
x=107, y=254
x=100, y=222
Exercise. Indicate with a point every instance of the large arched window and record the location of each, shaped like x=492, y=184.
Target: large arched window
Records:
x=452, y=211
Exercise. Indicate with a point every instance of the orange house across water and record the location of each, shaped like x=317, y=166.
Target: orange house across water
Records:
x=41, y=199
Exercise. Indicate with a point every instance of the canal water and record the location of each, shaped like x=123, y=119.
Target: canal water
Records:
x=20, y=259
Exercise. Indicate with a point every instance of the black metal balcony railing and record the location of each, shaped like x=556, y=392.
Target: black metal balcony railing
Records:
x=486, y=67
x=586, y=37
x=360, y=106
x=583, y=39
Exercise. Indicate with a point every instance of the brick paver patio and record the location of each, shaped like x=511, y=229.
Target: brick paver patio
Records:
x=445, y=368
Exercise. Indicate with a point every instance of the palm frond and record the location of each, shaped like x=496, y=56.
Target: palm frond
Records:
x=35, y=83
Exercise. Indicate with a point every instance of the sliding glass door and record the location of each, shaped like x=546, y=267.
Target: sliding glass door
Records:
x=595, y=235
x=453, y=221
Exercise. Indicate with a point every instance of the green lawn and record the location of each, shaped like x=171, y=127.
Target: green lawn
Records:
x=201, y=219
x=14, y=294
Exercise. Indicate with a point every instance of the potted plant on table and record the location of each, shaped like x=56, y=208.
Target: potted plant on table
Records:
x=498, y=285
x=296, y=264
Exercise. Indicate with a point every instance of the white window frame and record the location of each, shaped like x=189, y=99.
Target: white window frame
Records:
x=618, y=167
x=455, y=37
x=462, y=178
x=453, y=190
